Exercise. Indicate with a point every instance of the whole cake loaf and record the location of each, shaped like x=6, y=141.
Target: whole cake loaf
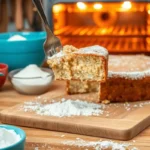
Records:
x=85, y=64
x=128, y=78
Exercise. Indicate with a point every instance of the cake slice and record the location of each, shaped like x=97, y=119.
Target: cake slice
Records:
x=76, y=87
x=128, y=79
x=85, y=64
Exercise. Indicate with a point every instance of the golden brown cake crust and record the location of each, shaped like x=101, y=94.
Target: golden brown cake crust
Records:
x=128, y=78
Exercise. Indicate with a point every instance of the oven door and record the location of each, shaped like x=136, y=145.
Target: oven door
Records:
x=119, y=26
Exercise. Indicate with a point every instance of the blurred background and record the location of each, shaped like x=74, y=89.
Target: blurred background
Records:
x=21, y=33
x=122, y=26
x=19, y=15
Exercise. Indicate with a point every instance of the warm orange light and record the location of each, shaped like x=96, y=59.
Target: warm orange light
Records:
x=148, y=12
x=58, y=8
x=97, y=6
x=81, y=5
x=126, y=5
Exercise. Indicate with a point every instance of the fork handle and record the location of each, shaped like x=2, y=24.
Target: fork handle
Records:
x=39, y=7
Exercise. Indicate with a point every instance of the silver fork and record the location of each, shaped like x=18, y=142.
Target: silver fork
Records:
x=52, y=44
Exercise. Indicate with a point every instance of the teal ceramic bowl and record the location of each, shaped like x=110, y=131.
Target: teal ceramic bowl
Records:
x=20, y=144
x=19, y=54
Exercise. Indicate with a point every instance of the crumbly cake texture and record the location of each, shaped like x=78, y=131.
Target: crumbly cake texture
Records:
x=76, y=87
x=128, y=78
x=85, y=64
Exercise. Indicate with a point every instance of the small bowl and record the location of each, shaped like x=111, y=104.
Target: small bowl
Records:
x=3, y=73
x=31, y=86
x=20, y=53
x=20, y=144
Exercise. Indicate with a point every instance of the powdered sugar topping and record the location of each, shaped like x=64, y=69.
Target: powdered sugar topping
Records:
x=96, y=49
x=57, y=55
x=130, y=75
x=132, y=67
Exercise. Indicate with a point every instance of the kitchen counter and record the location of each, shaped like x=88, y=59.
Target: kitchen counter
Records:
x=38, y=139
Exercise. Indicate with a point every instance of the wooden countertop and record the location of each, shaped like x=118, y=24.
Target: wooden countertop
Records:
x=38, y=139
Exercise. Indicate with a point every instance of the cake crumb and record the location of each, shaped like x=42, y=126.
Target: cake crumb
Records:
x=134, y=148
x=107, y=115
x=105, y=102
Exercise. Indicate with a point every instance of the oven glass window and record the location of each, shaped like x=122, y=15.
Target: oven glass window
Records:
x=120, y=27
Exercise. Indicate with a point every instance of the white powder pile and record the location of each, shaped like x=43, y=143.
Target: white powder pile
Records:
x=8, y=137
x=32, y=80
x=100, y=145
x=17, y=38
x=31, y=71
x=66, y=108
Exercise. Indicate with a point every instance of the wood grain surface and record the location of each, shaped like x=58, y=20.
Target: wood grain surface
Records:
x=121, y=124
x=43, y=139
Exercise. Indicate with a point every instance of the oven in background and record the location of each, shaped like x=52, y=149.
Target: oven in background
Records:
x=118, y=26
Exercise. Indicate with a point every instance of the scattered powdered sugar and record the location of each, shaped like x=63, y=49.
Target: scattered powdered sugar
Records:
x=100, y=145
x=130, y=75
x=68, y=108
x=128, y=106
x=96, y=49
x=65, y=108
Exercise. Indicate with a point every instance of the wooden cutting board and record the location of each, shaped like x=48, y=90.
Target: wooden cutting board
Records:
x=120, y=121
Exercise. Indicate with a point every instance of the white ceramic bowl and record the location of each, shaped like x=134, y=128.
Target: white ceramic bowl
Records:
x=31, y=86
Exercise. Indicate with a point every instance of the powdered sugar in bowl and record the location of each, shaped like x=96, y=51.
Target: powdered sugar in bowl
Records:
x=11, y=138
x=31, y=80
